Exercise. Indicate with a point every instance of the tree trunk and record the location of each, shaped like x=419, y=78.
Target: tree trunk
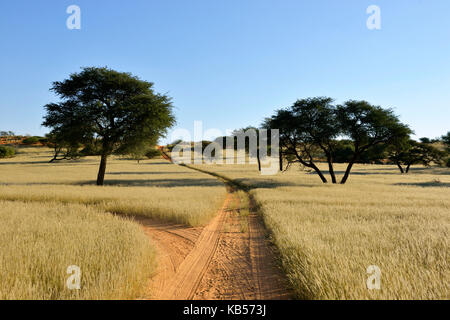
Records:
x=347, y=173
x=258, y=159
x=281, y=162
x=349, y=167
x=102, y=170
x=400, y=167
x=331, y=169
x=407, y=168
x=322, y=177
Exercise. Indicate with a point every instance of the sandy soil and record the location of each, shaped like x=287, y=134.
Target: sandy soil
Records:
x=228, y=259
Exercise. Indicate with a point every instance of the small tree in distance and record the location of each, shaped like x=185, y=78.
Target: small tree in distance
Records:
x=407, y=153
x=114, y=107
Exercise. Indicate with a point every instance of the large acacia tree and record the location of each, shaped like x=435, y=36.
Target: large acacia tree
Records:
x=116, y=108
x=368, y=126
x=310, y=129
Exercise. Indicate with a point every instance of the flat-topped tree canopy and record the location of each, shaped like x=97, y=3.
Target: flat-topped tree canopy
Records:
x=310, y=129
x=117, y=108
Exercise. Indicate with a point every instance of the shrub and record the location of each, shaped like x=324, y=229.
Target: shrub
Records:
x=7, y=152
x=44, y=141
x=30, y=140
x=153, y=153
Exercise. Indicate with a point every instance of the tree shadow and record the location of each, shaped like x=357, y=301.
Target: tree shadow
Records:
x=143, y=173
x=269, y=184
x=432, y=170
x=357, y=173
x=426, y=184
x=165, y=183
x=155, y=163
x=390, y=171
x=21, y=162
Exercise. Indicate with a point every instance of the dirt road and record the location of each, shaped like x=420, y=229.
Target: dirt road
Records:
x=229, y=258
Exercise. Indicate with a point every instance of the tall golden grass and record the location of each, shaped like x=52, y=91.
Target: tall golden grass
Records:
x=328, y=235
x=53, y=216
x=153, y=188
x=39, y=241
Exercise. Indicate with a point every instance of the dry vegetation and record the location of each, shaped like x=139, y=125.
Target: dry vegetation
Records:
x=53, y=216
x=328, y=235
x=38, y=241
x=153, y=188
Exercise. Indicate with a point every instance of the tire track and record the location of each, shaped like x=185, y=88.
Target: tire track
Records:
x=219, y=261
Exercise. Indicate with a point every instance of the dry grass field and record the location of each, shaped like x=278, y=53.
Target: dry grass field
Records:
x=39, y=241
x=53, y=216
x=328, y=235
x=153, y=188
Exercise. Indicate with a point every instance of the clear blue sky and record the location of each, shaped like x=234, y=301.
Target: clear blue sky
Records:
x=230, y=63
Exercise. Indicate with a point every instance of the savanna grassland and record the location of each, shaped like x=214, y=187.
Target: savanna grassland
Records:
x=328, y=235
x=52, y=215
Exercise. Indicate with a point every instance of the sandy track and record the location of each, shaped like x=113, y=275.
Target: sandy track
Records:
x=230, y=258
x=173, y=243
x=243, y=266
x=219, y=261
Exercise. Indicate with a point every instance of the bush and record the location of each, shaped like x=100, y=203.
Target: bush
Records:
x=91, y=149
x=7, y=152
x=153, y=153
x=448, y=163
x=30, y=140
x=44, y=141
x=343, y=151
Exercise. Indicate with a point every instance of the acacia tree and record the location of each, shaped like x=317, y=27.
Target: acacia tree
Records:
x=62, y=148
x=307, y=129
x=368, y=126
x=406, y=153
x=446, y=141
x=114, y=107
x=248, y=149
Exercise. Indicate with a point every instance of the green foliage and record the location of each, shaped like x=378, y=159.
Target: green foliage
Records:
x=120, y=110
x=172, y=145
x=43, y=140
x=63, y=149
x=375, y=154
x=409, y=152
x=446, y=141
x=91, y=148
x=30, y=140
x=369, y=125
x=425, y=140
x=7, y=152
x=309, y=129
x=343, y=151
x=153, y=153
